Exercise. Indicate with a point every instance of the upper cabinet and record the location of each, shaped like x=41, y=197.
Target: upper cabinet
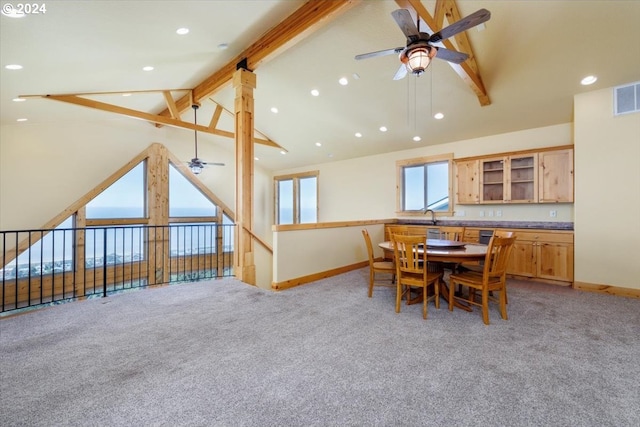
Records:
x=528, y=177
x=555, y=174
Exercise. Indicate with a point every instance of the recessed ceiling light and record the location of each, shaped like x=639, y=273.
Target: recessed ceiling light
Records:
x=417, y=138
x=126, y=94
x=223, y=46
x=383, y=128
x=19, y=99
x=318, y=144
x=182, y=31
x=13, y=67
x=343, y=81
x=274, y=110
x=256, y=158
x=283, y=152
x=148, y=68
x=315, y=92
x=358, y=135
x=438, y=116
x=589, y=80
x=21, y=120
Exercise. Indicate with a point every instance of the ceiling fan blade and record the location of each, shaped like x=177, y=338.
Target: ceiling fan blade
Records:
x=380, y=53
x=451, y=55
x=212, y=163
x=405, y=22
x=464, y=24
x=401, y=73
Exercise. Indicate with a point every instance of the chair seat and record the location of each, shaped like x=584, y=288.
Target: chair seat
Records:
x=384, y=265
x=473, y=279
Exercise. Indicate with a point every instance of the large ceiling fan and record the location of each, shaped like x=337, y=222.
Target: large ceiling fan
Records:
x=419, y=51
x=196, y=165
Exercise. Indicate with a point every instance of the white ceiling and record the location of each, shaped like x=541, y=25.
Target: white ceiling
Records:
x=531, y=56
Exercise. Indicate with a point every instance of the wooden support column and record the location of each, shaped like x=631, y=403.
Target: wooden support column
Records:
x=244, y=82
x=158, y=199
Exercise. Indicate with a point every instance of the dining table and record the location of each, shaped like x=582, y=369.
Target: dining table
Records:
x=446, y=252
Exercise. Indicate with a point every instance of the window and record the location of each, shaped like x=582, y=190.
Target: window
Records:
x=125, y=198
x=297, y=198
x=425, y=183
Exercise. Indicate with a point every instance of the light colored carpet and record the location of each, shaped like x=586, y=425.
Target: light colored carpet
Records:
x=222, y=353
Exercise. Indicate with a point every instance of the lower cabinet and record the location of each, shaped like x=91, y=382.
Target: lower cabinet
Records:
x=546, y=255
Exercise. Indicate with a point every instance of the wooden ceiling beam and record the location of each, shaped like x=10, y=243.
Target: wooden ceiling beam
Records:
x=304, y=21
x=468, y=70
x=150, y=117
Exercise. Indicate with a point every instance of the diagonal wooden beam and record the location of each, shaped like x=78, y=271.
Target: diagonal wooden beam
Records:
x=468, y=70
x=171, y=104
x=154, y=118
x=304, y=21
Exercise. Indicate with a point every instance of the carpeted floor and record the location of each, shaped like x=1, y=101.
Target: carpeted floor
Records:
x=222, y=353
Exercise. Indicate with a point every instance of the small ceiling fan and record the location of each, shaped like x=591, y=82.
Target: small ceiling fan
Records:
x=196, y=165
x=419, y=51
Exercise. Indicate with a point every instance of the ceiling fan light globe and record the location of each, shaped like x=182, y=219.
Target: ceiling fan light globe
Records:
x=419, y=59
x=196, y=169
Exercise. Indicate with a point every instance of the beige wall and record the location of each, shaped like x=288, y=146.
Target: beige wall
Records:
x=607, y=208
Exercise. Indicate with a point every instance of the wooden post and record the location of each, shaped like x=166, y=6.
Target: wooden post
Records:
x=158, y=199
x=244, y=81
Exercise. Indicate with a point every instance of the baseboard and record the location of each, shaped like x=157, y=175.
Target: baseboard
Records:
x=607, y=289
x=316, y=276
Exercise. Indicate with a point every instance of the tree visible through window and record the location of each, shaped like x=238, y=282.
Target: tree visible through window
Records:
x=297, y=198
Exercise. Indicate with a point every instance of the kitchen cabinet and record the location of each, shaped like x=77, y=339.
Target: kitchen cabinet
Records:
x=467, y=180
x=555, y=172
x=545, y=255
x=541, y=176
x=509, y=179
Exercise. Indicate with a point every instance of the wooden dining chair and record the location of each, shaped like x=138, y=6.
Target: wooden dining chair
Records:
x=477, y=266
x=412, y=272
x=386, y=267
x=493, y=278
x=455, y=234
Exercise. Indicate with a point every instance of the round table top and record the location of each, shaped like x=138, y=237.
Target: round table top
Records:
x=440, y=250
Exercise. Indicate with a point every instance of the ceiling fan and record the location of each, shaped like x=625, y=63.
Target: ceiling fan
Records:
x=196, y=165
x=419, y=51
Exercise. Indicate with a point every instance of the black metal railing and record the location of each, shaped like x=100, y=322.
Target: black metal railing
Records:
x=52, y=265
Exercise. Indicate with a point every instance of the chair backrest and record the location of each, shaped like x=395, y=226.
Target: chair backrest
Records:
x=497, y=258
x=452, y=233
x=503, y=233
x=410, y=253
x=367, y=240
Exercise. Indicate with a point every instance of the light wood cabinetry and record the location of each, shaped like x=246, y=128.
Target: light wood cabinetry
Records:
x=555, y=172
x=544, y=176
x=509, y=179
x=546, y=255
x=467, y=179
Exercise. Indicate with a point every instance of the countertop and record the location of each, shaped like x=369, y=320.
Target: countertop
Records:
x=540, y=225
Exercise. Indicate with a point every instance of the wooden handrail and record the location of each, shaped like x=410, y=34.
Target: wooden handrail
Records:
x=262, y=242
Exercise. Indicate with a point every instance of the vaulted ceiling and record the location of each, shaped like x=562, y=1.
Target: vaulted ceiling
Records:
x=529, y=60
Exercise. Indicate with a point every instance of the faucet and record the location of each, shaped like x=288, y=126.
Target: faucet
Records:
x=433, y=215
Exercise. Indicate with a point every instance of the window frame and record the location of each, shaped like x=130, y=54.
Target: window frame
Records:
x=296, y=177
x=422, y=161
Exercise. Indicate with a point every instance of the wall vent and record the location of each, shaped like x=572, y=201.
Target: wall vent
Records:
x=626, y=99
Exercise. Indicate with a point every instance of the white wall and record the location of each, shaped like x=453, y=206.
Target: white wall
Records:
x=365, y=188
x=607, y=162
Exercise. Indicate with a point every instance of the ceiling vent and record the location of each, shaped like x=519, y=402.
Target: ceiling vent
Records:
x=626, y=99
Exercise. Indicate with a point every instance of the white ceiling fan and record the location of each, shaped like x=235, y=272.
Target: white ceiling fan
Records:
x=196, y=165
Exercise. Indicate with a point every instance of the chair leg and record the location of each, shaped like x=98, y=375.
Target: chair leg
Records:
x=371, y=278
x=451, y=296
x=485, y=307
x=436, y=291
x=503, y=304
x=398, y=296
x=424, y=302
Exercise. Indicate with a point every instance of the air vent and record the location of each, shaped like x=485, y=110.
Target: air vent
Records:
x=626, y=99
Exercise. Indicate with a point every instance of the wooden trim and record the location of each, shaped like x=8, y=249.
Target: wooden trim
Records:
x=338, y=224
x=287, y=284
x=607, y=289
x=101, y=222
x=190, y=219
x=426, y=159
x=259, y=240
x=514, y=153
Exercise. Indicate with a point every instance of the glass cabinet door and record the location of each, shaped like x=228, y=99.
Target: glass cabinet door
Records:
x=522, y=175
x=492, y=185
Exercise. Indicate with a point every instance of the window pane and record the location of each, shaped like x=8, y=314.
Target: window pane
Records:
x=193, y=239
x=285, y=201
x=125, y=198
x=186, y=200
x=308, y=200
x=122, y=244
x=438, y=186
x=413, y=188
